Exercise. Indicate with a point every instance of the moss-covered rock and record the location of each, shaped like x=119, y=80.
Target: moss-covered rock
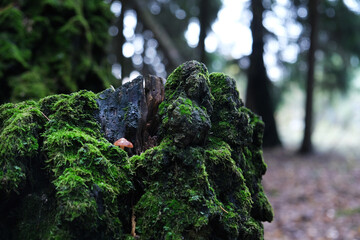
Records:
x=187, y=105
x=62, y=178
x=204, y=180
x=243, y=131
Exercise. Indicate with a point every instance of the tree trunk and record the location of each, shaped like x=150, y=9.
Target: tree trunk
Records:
x=165, y=42
x=258, y=96
x=306, y=146
x=119, y=40
x=204, y=22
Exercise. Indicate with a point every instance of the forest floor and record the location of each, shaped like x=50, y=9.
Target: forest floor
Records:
x=314, y=197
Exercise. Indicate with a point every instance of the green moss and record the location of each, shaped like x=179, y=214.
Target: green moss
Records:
x=186, y=107
x=20, y=126
x=12, y=178
x=19, y=131
x=262, y=209
x=165, y=217
x=172, y=83
x=126, y=110
x=243, y=131
x=162, y=107
x=223, y=89
x=82, y=162
x=202, y=181
x=229, y=122
x=30, y=85
x=71, y=57
x=224, y=174
x=171, y=211
x=252, y=229
x=185, y=110
x=178, y=203
x=88, y=174
x=184, y=115
x=188, y=102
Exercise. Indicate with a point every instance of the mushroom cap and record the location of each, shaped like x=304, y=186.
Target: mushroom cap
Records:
x=122, y=142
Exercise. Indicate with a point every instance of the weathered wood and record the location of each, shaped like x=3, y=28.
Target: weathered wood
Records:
x=131, y=112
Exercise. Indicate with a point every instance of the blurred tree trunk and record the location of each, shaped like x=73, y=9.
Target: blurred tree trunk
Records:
x=306, y=146
x=165, y=42
x=258, y=96
x=119, y=39
x=204, y=25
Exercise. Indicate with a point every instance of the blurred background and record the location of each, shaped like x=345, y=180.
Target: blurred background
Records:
x=296, y=64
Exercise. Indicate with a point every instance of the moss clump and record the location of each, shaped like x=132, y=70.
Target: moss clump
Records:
x=178, y=200
x=198, y=183
x=53, y=47
x=243, y=131
x=20, y=127
x=190, y=81
x=193, y=193
x=186, y=123
x=77, y=179
x=229, y=121
x=61, y=179
x=187, y=104
x=30, y=85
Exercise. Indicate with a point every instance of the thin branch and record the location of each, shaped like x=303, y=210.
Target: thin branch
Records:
x=44, y=115
x=223, y=209
x=133, y=223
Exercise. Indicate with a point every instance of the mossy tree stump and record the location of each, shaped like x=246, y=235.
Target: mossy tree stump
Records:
x=194, y=173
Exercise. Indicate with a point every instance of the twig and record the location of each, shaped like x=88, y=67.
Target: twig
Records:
x=45, y=116
x=223, y=209
x=42, y=114
x=112, y=88
x=133, y=223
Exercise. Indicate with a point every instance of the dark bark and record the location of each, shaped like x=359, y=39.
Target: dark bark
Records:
x=258, y=97
x=307, y=146
x=137, y=108
x=204, y=25
x=120, y=39
x=165, y=42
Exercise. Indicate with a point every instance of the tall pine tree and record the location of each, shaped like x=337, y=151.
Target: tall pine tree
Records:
x=258, y=97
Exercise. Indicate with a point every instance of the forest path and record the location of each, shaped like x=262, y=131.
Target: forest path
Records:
x=314, y=197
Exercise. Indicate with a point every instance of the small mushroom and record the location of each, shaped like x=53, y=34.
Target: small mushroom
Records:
x=122, y=143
